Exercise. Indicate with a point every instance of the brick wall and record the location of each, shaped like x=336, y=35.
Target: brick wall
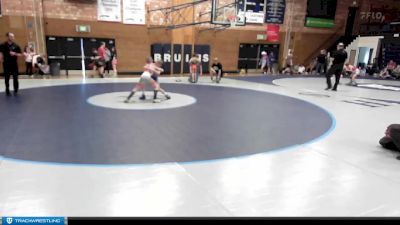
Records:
x=72, y=10
x=87, y=10
x=18, y=15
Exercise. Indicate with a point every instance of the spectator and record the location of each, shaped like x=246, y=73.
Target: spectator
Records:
x=114, y=61
x=28, y=54
x=321, y=62
x=273, y=63
x=196, y=69
x=311, y=67
x=216, y=70
x=108, y=59
x=264, y=61
x=40, y=66
x=328, y=62
x=101, y=62
x=289, y=62
x=396, y=72
x=301, y=70
x=93, y=62
x=387, y=72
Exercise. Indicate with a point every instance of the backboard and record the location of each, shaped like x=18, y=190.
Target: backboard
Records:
x=226, y=12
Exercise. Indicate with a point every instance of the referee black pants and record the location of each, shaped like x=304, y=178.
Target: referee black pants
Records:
x=8, y=72
x=336, y=69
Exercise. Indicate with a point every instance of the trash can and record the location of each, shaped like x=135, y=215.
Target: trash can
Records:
x=55, y=69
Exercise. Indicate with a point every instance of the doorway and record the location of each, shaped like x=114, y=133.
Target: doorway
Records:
x=250, y=54
x=351, y=17
x=68, y=51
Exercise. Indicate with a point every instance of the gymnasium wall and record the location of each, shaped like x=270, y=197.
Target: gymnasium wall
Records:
x=133, y=42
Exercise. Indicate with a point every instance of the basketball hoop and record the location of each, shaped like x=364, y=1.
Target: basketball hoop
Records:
x=232, y=20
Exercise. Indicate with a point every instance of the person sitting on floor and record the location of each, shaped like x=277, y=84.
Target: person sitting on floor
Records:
x=301, y=70
x=387, y=72
x=40, y=66
x=396, y=72
x=391, y=140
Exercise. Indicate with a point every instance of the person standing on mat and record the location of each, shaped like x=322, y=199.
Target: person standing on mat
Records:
x=196, y=69
x=339, y=58
x=9, y=53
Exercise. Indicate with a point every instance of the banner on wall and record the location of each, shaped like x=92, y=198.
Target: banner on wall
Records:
x=109, y=10
x=163, y=52
x=275, y=11
x=134, y=11
x=273, y=32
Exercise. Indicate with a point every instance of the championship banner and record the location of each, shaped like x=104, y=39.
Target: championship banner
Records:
x=273, y=33
x=109, y=10
x=134, y=12
x=275, y=11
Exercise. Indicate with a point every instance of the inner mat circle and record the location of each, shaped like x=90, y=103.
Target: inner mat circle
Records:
x=116, y=100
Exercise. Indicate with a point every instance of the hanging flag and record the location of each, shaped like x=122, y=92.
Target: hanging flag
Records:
x=273, y=32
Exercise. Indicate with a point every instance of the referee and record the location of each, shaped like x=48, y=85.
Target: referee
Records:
x=9, y=53
x=339, y=58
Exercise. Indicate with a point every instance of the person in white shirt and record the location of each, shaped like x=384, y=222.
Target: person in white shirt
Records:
x=301, y=69
x=28, y=54
x=40, y=65
x=264, y=62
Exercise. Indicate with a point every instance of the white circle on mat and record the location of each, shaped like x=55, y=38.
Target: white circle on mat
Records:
x=115, y=100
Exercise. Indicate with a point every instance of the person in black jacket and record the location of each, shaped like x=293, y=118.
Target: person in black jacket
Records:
x=9, y=53
x=321, y=62
x=339, y=58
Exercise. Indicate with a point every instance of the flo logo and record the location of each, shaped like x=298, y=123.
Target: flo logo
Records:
x=9, y=220
x=375, y=16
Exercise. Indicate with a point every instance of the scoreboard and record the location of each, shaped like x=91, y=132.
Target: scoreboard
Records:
x=321, y=13
x=325, y=9
x=253, y=10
